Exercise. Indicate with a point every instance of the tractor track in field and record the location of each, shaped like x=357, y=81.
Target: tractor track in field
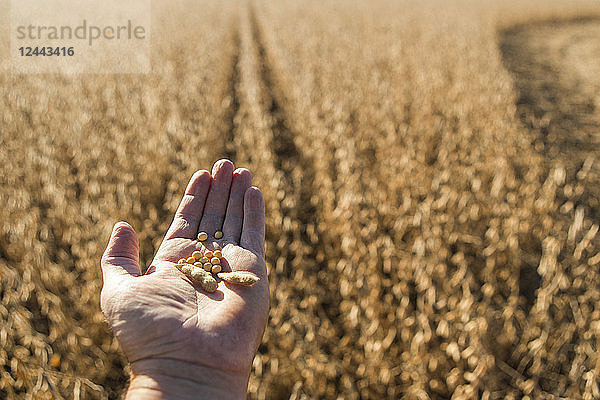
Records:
x=286, y=153
x=233, y=100
x=556, y=70
x=287, y=157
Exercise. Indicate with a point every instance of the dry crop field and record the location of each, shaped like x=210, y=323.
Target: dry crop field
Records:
x=431, y=180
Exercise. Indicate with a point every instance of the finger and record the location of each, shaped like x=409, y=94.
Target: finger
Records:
x=232, y=227
x=121, y=257
x=188, y=214
x=216, y=203
x=253, y=227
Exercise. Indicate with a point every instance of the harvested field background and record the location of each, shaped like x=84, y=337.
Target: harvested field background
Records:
x=431, y=180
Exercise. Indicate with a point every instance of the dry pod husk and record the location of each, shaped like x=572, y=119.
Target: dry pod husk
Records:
x=244, y=278
x=204, y=279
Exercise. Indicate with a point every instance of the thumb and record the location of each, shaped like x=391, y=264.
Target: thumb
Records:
x=121, y=258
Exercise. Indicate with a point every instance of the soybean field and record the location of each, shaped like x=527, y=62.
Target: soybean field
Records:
x=431, y=173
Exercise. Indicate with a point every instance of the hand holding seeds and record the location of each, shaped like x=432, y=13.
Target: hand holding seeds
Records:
x=206, y=286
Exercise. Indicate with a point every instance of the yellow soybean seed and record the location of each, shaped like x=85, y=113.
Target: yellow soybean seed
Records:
x=244, y=278
x=216, y=269
x=207, y=266
x=190, y=260
x=204, y=260
x=202, y=236
x=198, y=264
x=215, y=260
x=218, y=235
x=208, y=254
x=181, y=261
x=197, y=255
x=217, y=253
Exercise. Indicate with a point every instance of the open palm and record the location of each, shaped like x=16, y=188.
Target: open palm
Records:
x=161, y=319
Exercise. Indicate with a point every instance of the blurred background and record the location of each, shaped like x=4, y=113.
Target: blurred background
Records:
x=431, y=178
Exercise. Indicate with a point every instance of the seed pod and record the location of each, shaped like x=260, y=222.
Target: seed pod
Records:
x=204, y=260
x=197, y=255
x=215, y=260
x=207, y=266
x=204, y=279
x=208, y=254
x=218, y=235
x=187, y=269
x=216, y=269
x=217, y=253
x=202, y=236
x=190, y=260
x=244, y=278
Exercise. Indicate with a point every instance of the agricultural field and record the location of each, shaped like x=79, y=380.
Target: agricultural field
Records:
x=431, y=178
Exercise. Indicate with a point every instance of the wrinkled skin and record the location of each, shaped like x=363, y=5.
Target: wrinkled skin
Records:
x=161, y=317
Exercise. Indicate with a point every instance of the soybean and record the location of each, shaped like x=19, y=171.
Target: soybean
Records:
x=202, y=236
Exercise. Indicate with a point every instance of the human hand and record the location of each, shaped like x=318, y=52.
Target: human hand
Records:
x=181, y=341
